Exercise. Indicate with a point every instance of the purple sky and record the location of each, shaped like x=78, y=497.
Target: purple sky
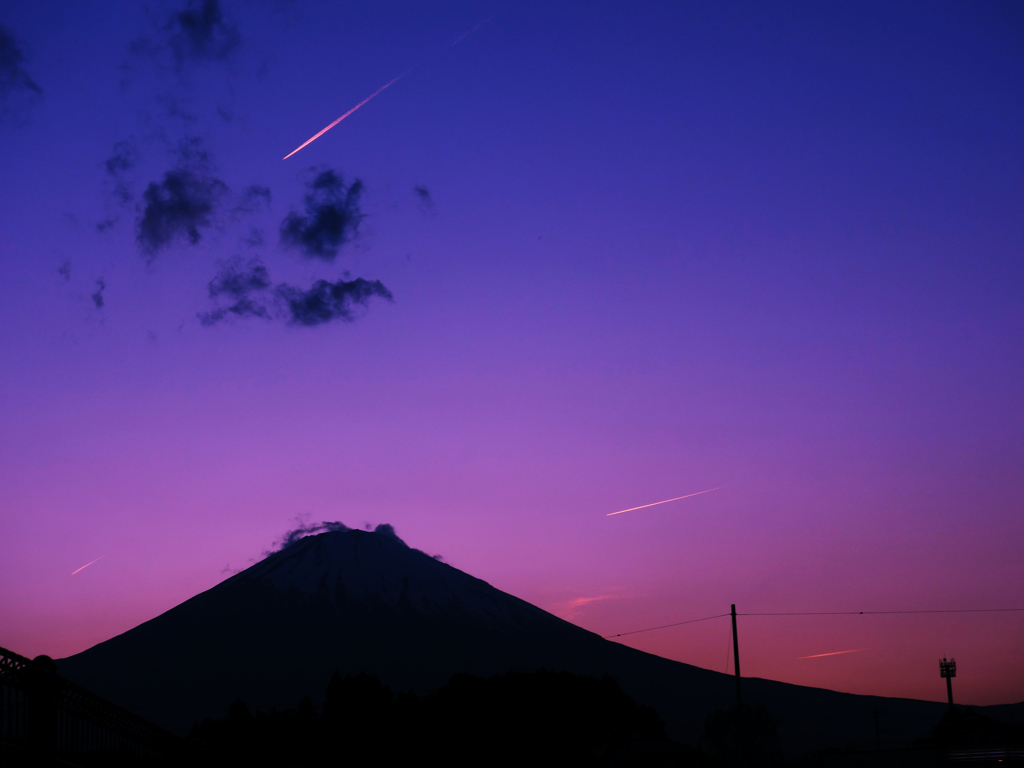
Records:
x=667, y=247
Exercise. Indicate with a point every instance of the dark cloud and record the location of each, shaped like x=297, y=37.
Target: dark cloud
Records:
x=236, y=281
x=309, y=529
x=97, y=297
x=200, y=32
x=182, y=204
x=301, y=531
x=254, y=239
x=190, y=33
x=64, y=270
x=244, y=307
x=327, y=301
x=123, y=160
x=386, y=529
x=175, y=107
x=18, y=91
x=245, y=285
x=254, y=197
x=424, y=198
x=239, y=279
x=332, y=217
x=13, y=77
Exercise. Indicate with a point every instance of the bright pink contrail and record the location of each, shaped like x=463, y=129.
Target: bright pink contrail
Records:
x=458, y=40
x=357, y=106
x=666, y=501
x=834, y=653
x=88, y=564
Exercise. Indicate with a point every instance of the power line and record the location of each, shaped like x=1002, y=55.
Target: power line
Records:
x=875, y=613
x=820, y=613
x=666, y=626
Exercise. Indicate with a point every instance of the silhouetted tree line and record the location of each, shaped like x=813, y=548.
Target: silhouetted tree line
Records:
x=517, y=718
x=963, y=728
x=743, y=736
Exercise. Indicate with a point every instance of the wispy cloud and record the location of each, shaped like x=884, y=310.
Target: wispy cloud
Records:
x=196, y=33
x=200, y=32
x=574, y=607
x=303, y=529
x=238, y=281
x=576, y=602
x=424, y=199
x=97, y=296
x=246, y=284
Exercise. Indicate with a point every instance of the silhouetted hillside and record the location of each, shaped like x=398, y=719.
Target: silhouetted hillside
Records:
x=356, y=601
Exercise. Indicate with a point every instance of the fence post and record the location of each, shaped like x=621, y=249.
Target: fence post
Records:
x=41, y=705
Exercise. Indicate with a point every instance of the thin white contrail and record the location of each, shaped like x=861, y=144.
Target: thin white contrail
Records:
x=387, y=85
x=666, y=501
x=88, y=564
x=834, y=653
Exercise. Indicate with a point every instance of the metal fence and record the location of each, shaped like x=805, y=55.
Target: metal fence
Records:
x=43, y=715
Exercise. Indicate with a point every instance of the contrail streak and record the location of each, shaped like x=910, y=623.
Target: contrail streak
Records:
x=88, y=564
x=834, y=653
x=387, y=85
x=357, y=106
x=466, y=34
x=666, y=501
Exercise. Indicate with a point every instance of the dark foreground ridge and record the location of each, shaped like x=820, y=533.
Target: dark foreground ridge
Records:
x=364, y=602
x=537, y=718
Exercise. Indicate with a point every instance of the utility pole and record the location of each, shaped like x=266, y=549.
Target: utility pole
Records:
x=736, y=660
x=741, y=727
x=947, y=669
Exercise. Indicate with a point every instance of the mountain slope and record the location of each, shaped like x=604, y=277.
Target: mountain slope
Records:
x=357, y=601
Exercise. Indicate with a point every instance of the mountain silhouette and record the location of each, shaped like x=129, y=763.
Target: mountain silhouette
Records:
x=358, y=601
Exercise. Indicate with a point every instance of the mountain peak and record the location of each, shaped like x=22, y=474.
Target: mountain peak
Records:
x=328, y=526
x=361, y=569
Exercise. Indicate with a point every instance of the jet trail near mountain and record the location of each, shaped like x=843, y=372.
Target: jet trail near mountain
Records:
x=666, y=501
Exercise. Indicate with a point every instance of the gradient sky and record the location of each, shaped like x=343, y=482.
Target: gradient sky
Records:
x=667, y=247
